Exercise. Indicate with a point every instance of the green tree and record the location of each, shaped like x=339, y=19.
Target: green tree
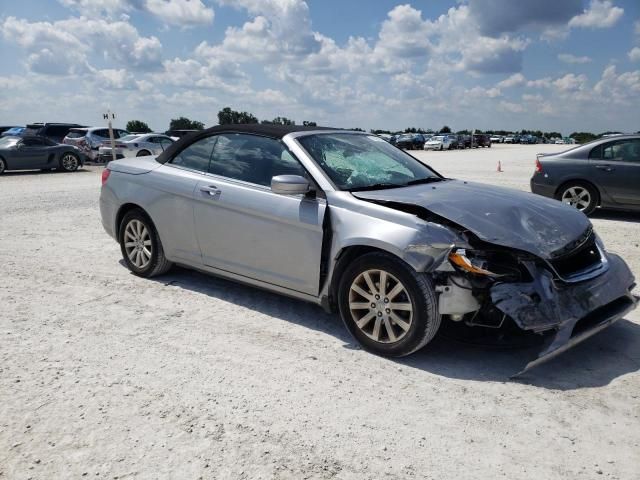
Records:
x=583, y=137
x=226, y=116
x=137, y=126
x=279, y=121
x=184, y=123
x=445, y=129
x=307, y=123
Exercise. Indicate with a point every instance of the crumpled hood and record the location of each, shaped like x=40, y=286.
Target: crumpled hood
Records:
x=502, y=216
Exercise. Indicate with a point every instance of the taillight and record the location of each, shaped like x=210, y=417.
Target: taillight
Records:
x=105, y=175
x=538, y=166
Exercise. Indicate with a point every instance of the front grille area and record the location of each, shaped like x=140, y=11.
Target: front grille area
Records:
x=585, y=257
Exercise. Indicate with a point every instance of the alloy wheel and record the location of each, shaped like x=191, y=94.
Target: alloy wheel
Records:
x=577, y=197
x=380, y=306
x=69, y=162
x=137, y=243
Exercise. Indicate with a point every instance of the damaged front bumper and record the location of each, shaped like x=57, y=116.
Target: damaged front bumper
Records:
x=574, y=311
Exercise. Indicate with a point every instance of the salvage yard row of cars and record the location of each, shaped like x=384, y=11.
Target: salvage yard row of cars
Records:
x=345, y=220
x=67, y=146
x=451, y=141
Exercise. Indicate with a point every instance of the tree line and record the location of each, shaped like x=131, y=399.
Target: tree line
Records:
x=227, y=116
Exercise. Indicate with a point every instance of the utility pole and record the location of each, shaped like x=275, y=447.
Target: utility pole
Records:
x=110, y=116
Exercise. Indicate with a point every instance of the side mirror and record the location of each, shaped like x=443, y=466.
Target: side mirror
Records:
x=289, y=185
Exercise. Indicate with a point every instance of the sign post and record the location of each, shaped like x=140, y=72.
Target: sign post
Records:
x=110, y=116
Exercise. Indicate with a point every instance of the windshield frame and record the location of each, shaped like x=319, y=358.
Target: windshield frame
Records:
x=318, y=170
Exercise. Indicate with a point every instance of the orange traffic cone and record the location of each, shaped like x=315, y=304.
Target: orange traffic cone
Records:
x=499, y=169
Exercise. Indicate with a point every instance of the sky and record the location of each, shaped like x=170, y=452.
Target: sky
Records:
x=552, y=65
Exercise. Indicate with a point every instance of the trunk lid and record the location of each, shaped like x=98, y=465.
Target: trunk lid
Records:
x=134, y=165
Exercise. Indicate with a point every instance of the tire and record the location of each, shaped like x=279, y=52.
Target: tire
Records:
x=441, y=147
x=143, y=153
x=141, y=246
x=381, y=328
x=69, y=162
x=581, y=195
x=3, y=166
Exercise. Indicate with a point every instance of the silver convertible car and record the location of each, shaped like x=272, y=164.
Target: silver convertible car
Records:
x=352, y=223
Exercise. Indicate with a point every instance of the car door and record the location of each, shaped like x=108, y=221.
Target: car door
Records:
x=244, y=228
x=615, y=168
x=30, y=153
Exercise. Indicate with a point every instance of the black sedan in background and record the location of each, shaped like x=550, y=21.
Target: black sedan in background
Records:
x=34, y=152
x=605, y=173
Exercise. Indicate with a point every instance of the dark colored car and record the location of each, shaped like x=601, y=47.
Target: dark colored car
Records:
x=481, y=140
x=464, y=141
x=410, y=141
x=605, y=173
x=52, y=131
x=34, y=152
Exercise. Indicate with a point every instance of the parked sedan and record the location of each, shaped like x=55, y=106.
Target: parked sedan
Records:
x=603, y=173
x=34, y=152
x=135, y=146
x=347, y=221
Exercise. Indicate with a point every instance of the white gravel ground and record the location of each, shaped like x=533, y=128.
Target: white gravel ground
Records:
x=106, y=375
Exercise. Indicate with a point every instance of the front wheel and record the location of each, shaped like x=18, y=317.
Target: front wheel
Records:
x=580, y=195
x=69, y=162
x=387, y=306
x=3, y=166
x=140, y=245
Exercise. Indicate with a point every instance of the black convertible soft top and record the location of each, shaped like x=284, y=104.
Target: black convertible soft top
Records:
x=266, y=130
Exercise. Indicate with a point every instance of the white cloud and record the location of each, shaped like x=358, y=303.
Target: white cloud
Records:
x=621, y=88
x=184, y=13
x=570, y=58
x=514, y=80
x=67, y=46
x=570, y=82
x=510, y=107
x=600, y=14
x=634, y=54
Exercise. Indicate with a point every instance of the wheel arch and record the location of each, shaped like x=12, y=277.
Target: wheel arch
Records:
x=343, y=259
x=579, y=180
x=123, y=210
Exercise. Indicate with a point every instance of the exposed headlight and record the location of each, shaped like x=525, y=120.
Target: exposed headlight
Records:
x=459, y=258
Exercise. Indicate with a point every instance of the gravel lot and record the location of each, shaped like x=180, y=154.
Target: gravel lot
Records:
x=106, y=375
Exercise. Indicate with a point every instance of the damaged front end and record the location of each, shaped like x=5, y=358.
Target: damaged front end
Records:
x=536, y=265
x=568, y=298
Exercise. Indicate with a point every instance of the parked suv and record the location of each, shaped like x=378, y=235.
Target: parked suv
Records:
x=90, y=139
x=410, y=141
x=52, y=131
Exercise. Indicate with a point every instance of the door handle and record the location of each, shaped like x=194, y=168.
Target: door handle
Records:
x=606, y=168
x=210, y=190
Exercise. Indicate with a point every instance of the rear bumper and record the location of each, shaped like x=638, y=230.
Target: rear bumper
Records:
x=543, y=189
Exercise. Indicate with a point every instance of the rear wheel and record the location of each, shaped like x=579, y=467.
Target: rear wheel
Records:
x=143, y=153
x=141, y=246
x=387, y=306
x=3, y=166
x=580, y=195
x=69, y=162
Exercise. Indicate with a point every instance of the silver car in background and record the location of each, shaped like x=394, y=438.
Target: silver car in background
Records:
x=346, y=220
x=90, y=139
x=139, y=145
